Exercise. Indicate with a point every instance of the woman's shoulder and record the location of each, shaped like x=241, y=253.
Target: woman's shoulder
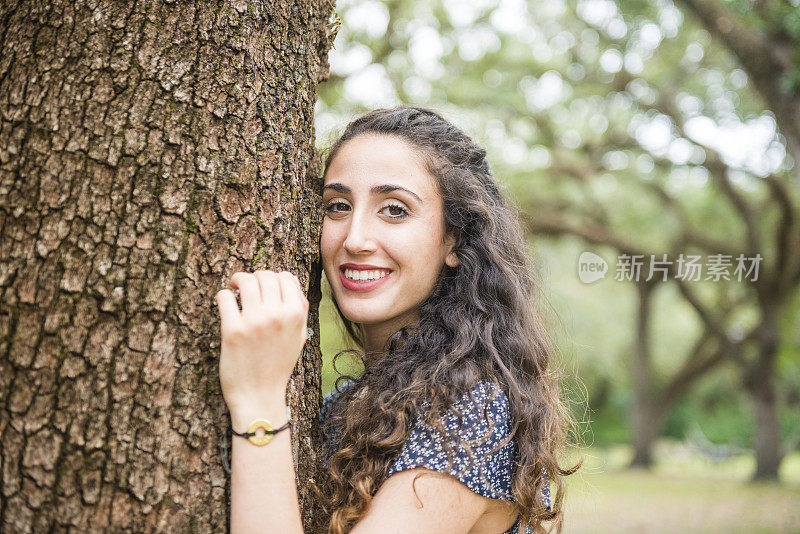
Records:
x=481, y=413
x=483, y=400
x=471, y=442
x=484, y=403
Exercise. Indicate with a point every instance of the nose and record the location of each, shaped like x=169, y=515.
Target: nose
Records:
x=359, y=238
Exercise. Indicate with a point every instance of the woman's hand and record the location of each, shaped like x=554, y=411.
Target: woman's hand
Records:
x=262, y=342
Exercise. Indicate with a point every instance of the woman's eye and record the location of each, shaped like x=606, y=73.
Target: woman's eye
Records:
x=396, y=211
x=399, y=210
x=330, y=206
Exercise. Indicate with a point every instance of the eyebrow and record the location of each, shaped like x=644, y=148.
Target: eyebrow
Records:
x=381, y=189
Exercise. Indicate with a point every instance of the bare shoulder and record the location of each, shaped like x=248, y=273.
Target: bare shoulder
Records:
x=498, y=517
x=422, y=500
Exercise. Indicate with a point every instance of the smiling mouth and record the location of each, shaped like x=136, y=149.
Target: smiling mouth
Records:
x=364, y=276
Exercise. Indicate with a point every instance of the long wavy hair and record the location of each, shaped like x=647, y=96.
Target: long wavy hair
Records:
x=479, y=324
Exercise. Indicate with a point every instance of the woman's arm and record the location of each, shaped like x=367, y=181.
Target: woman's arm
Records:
x=260, y=347
x=263, y=481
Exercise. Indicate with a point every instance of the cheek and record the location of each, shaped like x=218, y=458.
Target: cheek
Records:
x=327, y=251
x=418, y=251
x=327, y=240
x=331, y=243
x=327, y=256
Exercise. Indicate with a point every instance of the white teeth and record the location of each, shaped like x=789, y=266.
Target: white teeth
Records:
x=358, y=276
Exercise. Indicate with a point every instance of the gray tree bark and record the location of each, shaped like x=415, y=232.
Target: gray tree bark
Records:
x=148, y=150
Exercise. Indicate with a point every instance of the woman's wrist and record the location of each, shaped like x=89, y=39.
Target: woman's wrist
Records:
x=271, y=406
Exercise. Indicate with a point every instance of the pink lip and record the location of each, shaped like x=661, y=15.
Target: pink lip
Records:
x=361, y=286
x=361, y=266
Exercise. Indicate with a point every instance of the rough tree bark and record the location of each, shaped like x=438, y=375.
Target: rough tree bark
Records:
x=148, y=150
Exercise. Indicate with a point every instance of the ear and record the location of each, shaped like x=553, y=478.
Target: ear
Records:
x=452, y=259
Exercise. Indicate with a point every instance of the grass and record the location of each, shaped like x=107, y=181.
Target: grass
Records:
x=683, y=493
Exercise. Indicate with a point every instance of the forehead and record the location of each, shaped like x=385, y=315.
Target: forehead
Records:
x=372, y=159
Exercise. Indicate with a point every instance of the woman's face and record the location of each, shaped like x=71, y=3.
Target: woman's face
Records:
x=383, y=220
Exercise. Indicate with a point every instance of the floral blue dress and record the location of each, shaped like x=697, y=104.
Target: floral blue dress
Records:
x=487, y=472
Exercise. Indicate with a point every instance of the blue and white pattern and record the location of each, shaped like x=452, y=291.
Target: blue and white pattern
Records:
x=487, y=472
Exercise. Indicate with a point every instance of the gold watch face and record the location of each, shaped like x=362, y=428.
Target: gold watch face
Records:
x=260, y=440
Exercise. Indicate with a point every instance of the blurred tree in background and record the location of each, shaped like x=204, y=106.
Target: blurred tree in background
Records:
x=656, y=129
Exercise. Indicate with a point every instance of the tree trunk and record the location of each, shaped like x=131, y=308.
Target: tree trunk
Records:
x=645, y=429
x=148, y=151
x=761, y=383
x=767, y=438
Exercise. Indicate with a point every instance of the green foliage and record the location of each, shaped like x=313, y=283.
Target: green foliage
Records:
x=721, y=420
x=779, y=20
x=587, y=111
x=332, y=341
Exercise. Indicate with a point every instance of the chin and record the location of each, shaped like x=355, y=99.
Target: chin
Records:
x=361, y=316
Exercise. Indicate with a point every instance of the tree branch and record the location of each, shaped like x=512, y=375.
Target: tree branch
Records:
x=786, y=240
x=767, y=61
x=719, y=172
x=752, y=48
x=700, y=361
x=712, y=323
x=555, y=224
x=688, y=236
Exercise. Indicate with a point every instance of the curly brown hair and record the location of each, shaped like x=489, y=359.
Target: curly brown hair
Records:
x=478, y=324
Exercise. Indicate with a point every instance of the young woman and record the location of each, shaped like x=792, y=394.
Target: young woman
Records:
x=455, y=424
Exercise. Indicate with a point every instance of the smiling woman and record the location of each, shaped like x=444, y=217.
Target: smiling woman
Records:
x=457, y=379
x=371, y=176
x=456, y=423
